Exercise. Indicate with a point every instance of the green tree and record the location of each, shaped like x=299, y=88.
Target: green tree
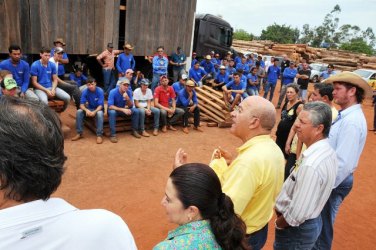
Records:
x=280, y=34
x=357, y=45
x=241, y=34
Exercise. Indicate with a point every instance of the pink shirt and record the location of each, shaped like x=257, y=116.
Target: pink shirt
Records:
x=108, y=58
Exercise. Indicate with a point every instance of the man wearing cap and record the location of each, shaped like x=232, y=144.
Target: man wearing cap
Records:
x=91, y=105
x=179, y=85
x=125, y=60
x=187, y=100
x=196, y=74
x=194, y=59
x=347, y=137
x=160, y=64
x=208, y=65
x=20, y=71
x=59, y=42
x=178, y=61
x=8, y=86
x=44, y=79
x=221, y=78
x=327, y=73
x=143, y=100
x=165, y=100
x=71, y=89
x=289, y=75
x=106, y=60
x=234, y=91
x=120, y=103
x=272, y=77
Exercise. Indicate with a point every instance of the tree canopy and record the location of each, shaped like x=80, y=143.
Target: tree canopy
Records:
x=280, y=34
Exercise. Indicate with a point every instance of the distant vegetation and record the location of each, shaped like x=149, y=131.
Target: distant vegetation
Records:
x=328, y=34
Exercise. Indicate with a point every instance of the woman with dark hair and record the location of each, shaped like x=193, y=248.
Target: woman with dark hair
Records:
x=206, y=218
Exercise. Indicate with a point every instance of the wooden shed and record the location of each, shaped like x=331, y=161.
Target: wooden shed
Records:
x=88, y=25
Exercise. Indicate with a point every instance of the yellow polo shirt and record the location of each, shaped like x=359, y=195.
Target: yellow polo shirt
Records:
x=253, y=180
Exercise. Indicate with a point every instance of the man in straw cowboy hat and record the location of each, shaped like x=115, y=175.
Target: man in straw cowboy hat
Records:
x=347, y=137
x=125, y=60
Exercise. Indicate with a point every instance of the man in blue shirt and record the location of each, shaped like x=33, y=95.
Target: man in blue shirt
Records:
x=91, y=105
x=327, y=73
x=78, y=78
x=262, y=63
x=59, y=42
x=125, y=60
x=194, y=59
x=179, y=85
x=231, y=68
x=208, y=65
x=243, y=65
x=178, y=61
x=20, y=71
x=187, y=100
x=196, y=74
x=233, y=92
x=252, y=82
x=272, y=77
x=221, y=78
x=289, y=75
x=44, y=79
x=120, y=103
x=347, y=137
x=160, y=64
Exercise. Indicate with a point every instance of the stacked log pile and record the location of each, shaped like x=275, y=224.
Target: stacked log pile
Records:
x=212, y=107
x=342, y=60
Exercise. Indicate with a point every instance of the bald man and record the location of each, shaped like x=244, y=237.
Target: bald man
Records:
x=255, y=177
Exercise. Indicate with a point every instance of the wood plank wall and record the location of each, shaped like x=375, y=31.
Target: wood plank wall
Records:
x=86, y=26
x=150, y=23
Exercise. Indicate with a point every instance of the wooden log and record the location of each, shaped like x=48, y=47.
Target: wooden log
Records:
x=210, y=114
x=213, y=109
x=205, y=99
x=203, y=92
x=211, y=90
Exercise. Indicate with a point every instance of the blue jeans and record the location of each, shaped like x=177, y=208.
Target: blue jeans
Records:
x=252, y=91
x=269, y=86
x=178, y=113
x=330, y=211
x=257, y=239
x=80, y=115
x=59, y=93
x=156, y=113
x=302, y=237
x=108, y=80
x=155, y=81
x=112, y=114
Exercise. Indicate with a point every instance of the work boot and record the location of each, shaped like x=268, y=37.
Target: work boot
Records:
x=113, y=139
x=135, y=134
x=99, y=140
x=185, y=130
x=145, y=134
x=77, y=137
x=155, y=132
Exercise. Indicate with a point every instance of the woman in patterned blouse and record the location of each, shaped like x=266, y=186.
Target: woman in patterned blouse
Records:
x=206, y=218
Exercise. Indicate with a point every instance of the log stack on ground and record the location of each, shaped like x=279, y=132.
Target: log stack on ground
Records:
x=341, y=59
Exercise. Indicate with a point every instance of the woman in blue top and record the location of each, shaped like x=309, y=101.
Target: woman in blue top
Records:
x=206, y=218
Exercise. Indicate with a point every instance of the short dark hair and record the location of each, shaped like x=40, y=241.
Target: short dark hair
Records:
x=44, y=50
x=14, y=47
x=160, y=47
x=324, y=89
x=236, y=74
x=90, y=79
x=320, y=113
x=197, y=185
x=32, y=149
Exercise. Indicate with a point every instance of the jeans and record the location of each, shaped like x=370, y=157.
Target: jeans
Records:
x=196, y=116
x=257, y=239
x=108, y=80
x=29, y=94
x=59, y=93
x=155, y=81
x=112, y=114
x=178, y=113
x=156, y=113
x=177, y=73
x=72, y=90
x=282, y=94
x=252, y=91
x=302, y=237
x=269, y=86
x=80, y=115
x=330, y=211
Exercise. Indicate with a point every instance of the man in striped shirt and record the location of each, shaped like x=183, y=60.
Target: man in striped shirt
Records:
x=305, y=192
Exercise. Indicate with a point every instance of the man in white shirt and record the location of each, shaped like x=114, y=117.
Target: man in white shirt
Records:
x=31, y=169
x=306, y=190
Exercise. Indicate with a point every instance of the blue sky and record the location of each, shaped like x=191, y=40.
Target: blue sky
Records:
x=253, y=16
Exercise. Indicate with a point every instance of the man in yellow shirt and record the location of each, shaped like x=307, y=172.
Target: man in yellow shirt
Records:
x=255, y=177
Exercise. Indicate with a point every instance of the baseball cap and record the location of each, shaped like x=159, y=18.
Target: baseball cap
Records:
x=162, y=77
x=129, y=71
x=8, y=83
x=190, y=83
x=123, y=80
x=58, y=50
x=222, y=67
x=145, y=82
x=208, y=57
x=184, y=76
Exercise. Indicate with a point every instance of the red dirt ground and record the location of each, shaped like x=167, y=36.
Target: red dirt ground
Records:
x=129, y=177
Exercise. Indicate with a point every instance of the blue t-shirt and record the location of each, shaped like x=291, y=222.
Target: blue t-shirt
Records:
x=183, y=98
x=61, y=69
x=20, y=72
x=196, y=74
x=326, y=74
x=232, y=85
x=208, y=66
x=252, y=78
x=177, y=86
x=273, y=74
x=160, y=65
x=93, y=98
x=43, y=73
x=244, y=67
x=79, y=80
x=222, y=77
x=230, y=71
x=125, y=62
x=289, y=75
x=117, y=99
x=178, y=58
x=193, y=62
